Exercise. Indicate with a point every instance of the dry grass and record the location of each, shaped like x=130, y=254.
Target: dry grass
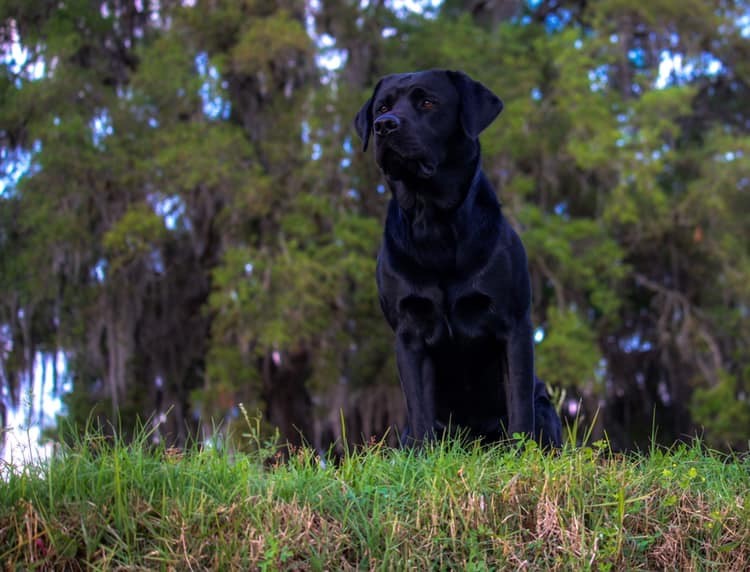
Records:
x=450, y=508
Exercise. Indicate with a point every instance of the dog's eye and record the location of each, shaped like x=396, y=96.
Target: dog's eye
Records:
x=382, y=109
x=427, y=104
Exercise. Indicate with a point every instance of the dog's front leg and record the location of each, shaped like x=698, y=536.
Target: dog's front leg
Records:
x=417, y=374
x=521, y=380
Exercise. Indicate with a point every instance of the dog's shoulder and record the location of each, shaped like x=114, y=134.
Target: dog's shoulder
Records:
x=480, y=215
x=480, y=225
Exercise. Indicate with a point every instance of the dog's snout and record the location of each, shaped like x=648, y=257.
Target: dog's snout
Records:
x=386, y=124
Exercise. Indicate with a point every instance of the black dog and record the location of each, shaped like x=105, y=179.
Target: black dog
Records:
x=452, y=274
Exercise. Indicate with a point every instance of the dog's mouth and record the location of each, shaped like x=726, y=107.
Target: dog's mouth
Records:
x=400, y=166
x=425, y=170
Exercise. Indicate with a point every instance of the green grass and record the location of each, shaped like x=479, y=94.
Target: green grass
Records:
x=102, y=504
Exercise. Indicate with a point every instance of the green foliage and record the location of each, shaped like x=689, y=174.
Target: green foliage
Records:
x=303, y=293
x=166, y=78
x=269, y=42
x=576, y=253
x=724, y=411
x=138, y=233
x=218, y=157
x=195, y=200
x=569, y=354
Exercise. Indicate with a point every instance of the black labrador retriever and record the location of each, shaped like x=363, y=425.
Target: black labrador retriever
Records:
x=452, y=275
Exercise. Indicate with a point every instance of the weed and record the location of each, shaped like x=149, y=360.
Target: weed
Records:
x=102, y=503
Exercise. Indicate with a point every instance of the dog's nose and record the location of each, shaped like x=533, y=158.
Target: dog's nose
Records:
x=386, y=124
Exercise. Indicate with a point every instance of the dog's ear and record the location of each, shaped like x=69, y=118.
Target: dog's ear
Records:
x=479, y=106
x=363, y=119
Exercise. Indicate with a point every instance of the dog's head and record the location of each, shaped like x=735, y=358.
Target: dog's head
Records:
x=418, y=118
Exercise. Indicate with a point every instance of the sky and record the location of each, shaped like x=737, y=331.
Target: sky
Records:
x=24, y=430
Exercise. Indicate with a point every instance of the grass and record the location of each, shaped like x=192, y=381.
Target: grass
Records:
x=104, y=504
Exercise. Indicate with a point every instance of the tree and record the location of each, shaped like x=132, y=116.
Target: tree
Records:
x=187, y=216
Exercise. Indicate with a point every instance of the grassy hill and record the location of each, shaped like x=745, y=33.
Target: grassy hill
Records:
x=102, y=504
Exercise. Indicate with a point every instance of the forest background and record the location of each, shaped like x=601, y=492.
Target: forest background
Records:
x=187, y=223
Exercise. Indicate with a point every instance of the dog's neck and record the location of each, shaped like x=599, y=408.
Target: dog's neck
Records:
x=445, y=191
x=432, y=214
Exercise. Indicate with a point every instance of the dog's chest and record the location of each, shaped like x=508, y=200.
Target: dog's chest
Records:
x=443, y=309
x=450, y=276
x=473, y=312
x=433, y=240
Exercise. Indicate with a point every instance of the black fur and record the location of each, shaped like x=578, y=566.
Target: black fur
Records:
x=452, y=274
